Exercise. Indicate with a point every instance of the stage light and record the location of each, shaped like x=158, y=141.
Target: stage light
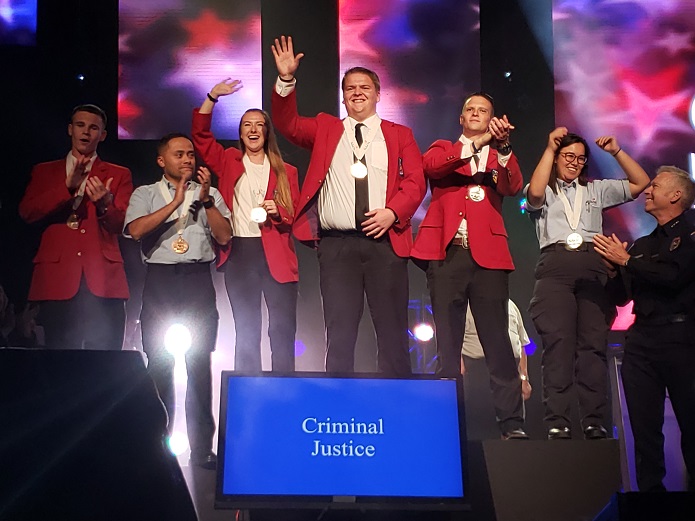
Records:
x=507, y=74
x=177, y=443
x=423, y=332
x=177, y=339
x=80, y=77
x=522, y=205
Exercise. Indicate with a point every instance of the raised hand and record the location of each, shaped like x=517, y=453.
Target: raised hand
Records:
x=555, y=137
x=501, y=128
x=205, y=179
x=285, y=59
x=78, y=174
x=609, y=144
x=225, y=88
x=99, y=192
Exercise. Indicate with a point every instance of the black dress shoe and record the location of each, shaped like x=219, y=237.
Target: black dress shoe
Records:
x=515, y=434
x=595, y=432
x=559, y=433
x=208, y=461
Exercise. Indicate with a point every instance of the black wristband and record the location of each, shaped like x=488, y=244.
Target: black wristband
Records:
x=286, y=81
x=214, y=100
x=618, y=152
x=209, y=203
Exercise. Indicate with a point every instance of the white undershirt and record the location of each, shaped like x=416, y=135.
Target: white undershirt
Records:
x=249, y=192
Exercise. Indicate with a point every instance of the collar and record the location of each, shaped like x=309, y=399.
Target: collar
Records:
x=670, y=228
x=371, y=122
x=192, y=185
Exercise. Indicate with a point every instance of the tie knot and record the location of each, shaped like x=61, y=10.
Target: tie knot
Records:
x=358, y=133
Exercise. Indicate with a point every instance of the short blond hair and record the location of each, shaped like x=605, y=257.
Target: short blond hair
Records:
x=683, y=181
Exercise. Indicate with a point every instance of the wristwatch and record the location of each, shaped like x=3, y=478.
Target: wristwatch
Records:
x=505, y=149
x=524, y=377
x=209, y=203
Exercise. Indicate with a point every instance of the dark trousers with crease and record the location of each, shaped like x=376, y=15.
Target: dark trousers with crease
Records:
x=248, y=280
x=572, y=314
x=453, y=283
x=182, y=294
x=657, y=359
x=352, y=265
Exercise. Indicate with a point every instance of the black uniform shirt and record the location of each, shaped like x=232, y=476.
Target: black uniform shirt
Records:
x=660, y=275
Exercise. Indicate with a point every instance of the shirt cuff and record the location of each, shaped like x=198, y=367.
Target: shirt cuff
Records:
x=283, y=88
x=503, y=159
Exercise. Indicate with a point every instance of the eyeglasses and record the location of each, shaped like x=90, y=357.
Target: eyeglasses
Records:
x=570, y=157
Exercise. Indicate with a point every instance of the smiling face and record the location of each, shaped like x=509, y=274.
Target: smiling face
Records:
x=476, y=115
x=661, y=194
x=568, y=164
x=177, y=159
x=253, y=132
x=360, y=96
x=86, y=131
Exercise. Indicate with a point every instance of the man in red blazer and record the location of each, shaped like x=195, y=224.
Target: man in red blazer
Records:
x=362, y=187
x=464, y=239
x=80, y=202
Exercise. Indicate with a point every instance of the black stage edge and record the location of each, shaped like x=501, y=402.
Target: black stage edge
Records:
x=508, y=481
x=649, y=506
x=82, y=438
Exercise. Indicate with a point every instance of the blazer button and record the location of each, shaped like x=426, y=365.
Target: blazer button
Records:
x=79, y=254
x=466, y=197
x=83, y=230
x=461, y=213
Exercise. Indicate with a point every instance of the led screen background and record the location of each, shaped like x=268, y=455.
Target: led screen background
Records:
x=17, y=22
x=627, y=68
x=427, y=56
x=171, y=53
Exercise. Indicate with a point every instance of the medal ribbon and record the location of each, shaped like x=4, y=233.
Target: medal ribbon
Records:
x=572, y=214
x=257, y=194
x=360, y=150
x=181, y=214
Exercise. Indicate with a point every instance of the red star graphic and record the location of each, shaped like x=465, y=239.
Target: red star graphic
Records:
x=658, y=85
x=208, y=30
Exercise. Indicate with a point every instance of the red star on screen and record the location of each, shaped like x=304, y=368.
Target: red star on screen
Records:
x=208, y=30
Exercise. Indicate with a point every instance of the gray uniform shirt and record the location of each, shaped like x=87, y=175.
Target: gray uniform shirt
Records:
x=156, y=248
x=551, y=222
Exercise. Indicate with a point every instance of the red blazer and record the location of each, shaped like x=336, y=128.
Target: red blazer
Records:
x=405, y=186
x=65, y=254
x=448, y=175
x=275, y=235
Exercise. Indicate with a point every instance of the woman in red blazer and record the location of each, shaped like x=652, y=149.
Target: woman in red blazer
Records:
x=262, y=192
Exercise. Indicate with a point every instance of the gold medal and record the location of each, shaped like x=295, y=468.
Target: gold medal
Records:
x=259, y=215
x=573, y=241
x=73, y=221
x=476, y=193
x=358, y=170
x=179, y=246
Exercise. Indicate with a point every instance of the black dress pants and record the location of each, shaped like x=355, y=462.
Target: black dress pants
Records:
x=83, y=322
x=350, y=266
x=182, y=294
x=656, y=361
x=453, y=283
x=572, y=314
x=248, y=279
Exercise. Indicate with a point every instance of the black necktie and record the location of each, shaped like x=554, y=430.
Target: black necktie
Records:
x=361, y=185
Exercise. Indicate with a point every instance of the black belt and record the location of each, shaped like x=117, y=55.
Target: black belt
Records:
x=561, y=246
x=352, y=233
x=461, y=241
x=181, y=267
